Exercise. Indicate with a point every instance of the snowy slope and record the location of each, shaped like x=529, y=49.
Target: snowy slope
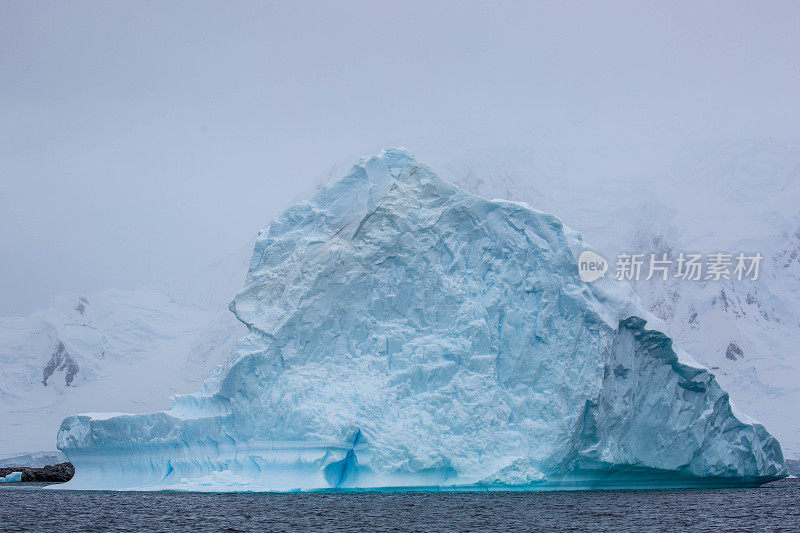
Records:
x=34, y=459
x=403, y=332
x=114, y=350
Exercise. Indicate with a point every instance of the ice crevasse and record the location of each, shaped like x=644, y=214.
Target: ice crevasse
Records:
x=404, y=333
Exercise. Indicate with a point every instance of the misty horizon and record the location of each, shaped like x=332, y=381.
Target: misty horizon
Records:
x=144, y=141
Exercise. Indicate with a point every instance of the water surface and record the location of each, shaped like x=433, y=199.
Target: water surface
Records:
x=774, y=507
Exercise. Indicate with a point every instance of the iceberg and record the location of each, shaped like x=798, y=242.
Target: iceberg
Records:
x=13, y=477
x=406, y=334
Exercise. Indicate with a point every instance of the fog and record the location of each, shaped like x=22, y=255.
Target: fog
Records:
x=142, y=140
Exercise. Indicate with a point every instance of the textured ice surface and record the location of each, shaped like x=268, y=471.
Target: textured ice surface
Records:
x=743, y=196
x=406, y=333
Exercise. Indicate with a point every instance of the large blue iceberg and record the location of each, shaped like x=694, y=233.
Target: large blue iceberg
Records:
x=404, y=333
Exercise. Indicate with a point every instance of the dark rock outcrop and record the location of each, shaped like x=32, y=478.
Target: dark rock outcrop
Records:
x=734, y=352
x=60, y=360
x=59, y=473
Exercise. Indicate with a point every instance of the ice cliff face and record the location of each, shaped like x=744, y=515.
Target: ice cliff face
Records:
x=742, y=196
x=404, y=332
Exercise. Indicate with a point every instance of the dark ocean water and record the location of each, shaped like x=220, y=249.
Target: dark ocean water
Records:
x=775, y=507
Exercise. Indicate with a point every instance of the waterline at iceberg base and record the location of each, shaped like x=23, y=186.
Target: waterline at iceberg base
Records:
x=404, y=333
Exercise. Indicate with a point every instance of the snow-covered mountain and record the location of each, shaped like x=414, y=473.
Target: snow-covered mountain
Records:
x=34, y=459
x=134, y=348
x=114, y=350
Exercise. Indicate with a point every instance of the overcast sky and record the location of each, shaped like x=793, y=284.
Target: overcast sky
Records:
x=142, y=140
